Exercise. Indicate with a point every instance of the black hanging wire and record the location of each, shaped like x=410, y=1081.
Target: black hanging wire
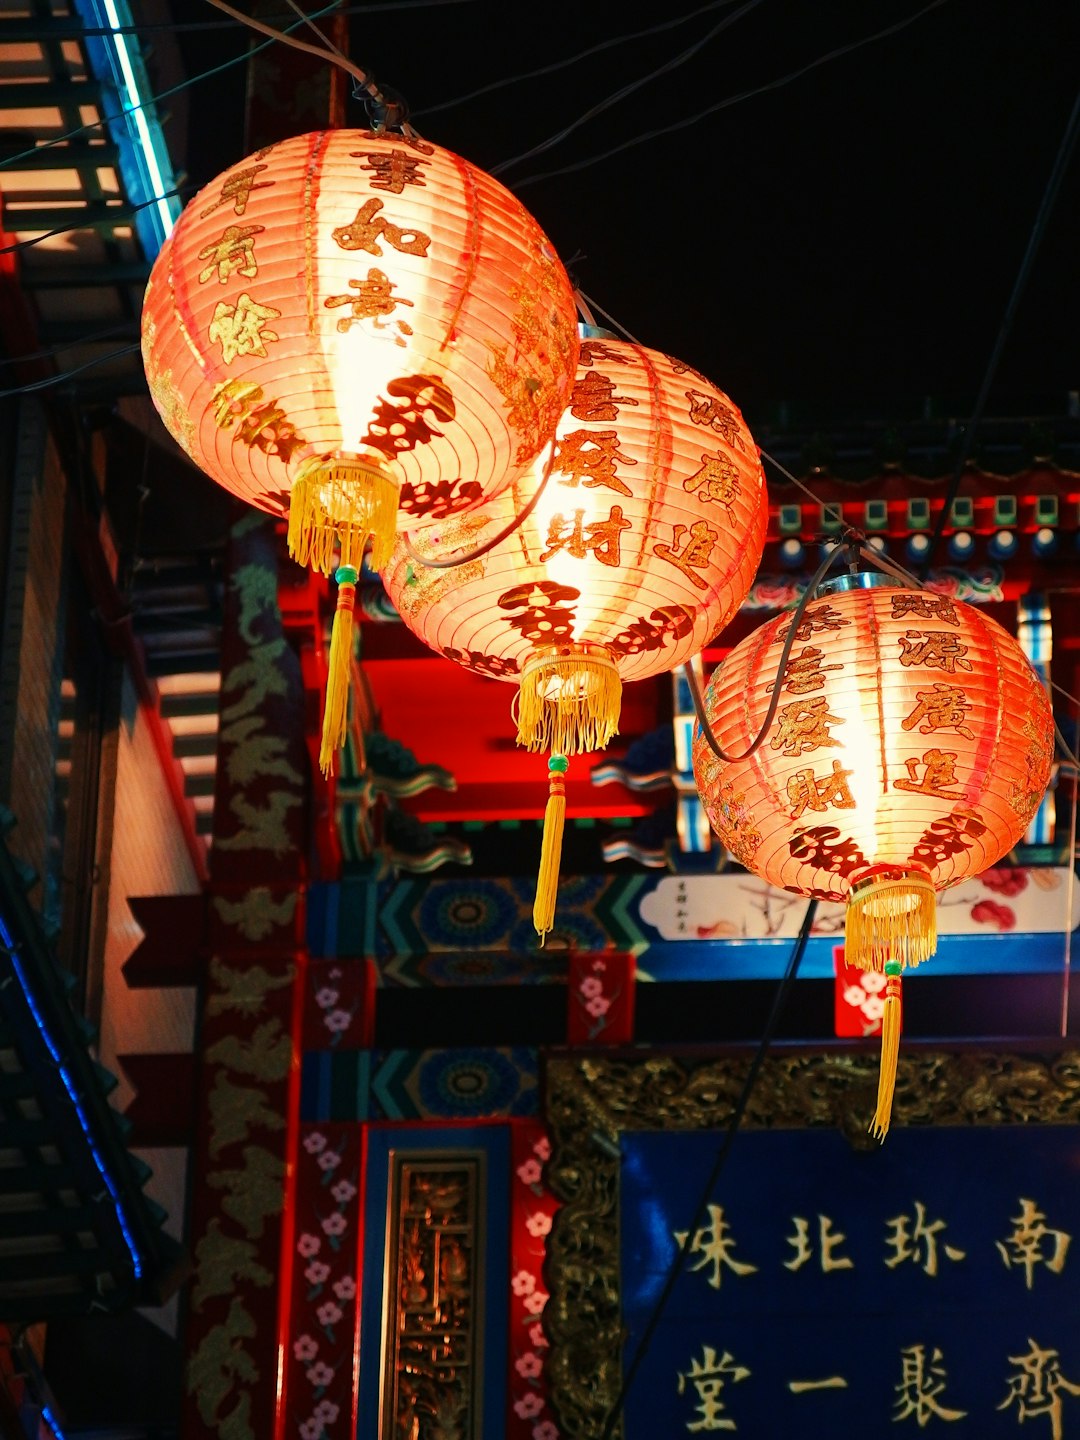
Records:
x=1038, y=229
x=625, y=90
x=777, y=84
x=488, y=545
x=789, y=640
x=610, y=44
x=737, y=1114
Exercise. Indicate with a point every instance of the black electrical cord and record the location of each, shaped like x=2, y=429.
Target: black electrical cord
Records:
x=777, y=84
x=1038, y=229
x=722, y=1154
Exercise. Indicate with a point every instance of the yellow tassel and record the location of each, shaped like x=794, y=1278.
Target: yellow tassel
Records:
x=890, y=1051
x=891, y=915
x=547, y=881
x=568, y=700
x=339, y=672
x=339, y=503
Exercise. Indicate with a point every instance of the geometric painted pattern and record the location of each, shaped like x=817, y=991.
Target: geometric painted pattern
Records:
x=463, y=1083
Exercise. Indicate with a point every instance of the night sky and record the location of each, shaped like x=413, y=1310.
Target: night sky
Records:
x=839, y=248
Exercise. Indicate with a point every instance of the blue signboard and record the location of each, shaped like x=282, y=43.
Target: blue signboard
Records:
x=929, y=1285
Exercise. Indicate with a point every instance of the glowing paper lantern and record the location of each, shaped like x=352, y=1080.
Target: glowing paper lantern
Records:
x=910, y=750
x=362, y=330
x=641, y=547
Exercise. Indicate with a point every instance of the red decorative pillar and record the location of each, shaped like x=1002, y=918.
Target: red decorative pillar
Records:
x=247, y=1106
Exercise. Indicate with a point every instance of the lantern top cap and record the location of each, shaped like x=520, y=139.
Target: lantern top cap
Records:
x=861, y=580
x=587, y=331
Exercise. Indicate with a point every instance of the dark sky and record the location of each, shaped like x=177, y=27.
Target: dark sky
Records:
x=845, y=244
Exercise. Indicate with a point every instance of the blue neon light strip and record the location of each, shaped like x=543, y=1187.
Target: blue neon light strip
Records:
x=144, y=157
x=73, y=1095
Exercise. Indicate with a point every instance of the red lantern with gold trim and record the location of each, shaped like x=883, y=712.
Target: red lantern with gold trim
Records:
x=362, y=330
x=910, y=749
x=642, y=545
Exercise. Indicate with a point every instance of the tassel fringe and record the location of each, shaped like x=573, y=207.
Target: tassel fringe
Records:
x=568, y=701
x=890, y=1051
x=338, y=504
x=891, y=915
x=339, y=671
x=547, y=881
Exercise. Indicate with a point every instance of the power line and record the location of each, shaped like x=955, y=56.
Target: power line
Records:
x=1038, y=229
x=709, y=1189
x=628, y=89
x=676, y=125
x=155, y=99
x=574, y=59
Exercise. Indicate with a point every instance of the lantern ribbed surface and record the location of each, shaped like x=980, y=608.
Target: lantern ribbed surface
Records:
x=347, y=294
x=644, y=542
x=911, y=747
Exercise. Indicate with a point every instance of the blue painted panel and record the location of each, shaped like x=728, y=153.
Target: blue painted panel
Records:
x=953, y=1314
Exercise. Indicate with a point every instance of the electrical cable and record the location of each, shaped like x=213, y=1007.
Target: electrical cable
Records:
x=574, y=59
x=503, y=534
x=51, y=380
x=737, y=1114
x=320, y=51
x=789, y=640
x=1038, y=229
x=241, y=59
x=103, y=32
x=626, y=90
x=110, y=217
x=777, y=84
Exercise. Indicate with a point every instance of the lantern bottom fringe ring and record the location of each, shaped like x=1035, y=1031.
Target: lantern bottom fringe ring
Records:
x=891, y=922
x=568, y=700
x=339, y=670
x=338, y=503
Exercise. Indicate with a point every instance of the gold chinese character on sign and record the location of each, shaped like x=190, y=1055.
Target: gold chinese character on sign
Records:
x=828, y=1241
x=371, y=299
x=942, y=707
x=392, y=169
x=708, y=411
x=237, y=190
x=241, y=329
x=939, y=773
x=923, y=1380
x=708, y=1376
x=713, y=1243
x=805, y=791
x=601, y=538
x=917, y=1242
x=716, y=483
x=590, y=456
x=593, y=398
x=815, y=618
x=803, y=1387
x=696, y=552
x=368, y=227
x=1036, y=1387
x=803, y=726
x=936, y=649
x=233, y=253
x=924, y=606
x=1033, y=1242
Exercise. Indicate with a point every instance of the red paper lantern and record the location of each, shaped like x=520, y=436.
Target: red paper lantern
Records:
x=641, y=547
x=910, y=749
x=362, y=330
